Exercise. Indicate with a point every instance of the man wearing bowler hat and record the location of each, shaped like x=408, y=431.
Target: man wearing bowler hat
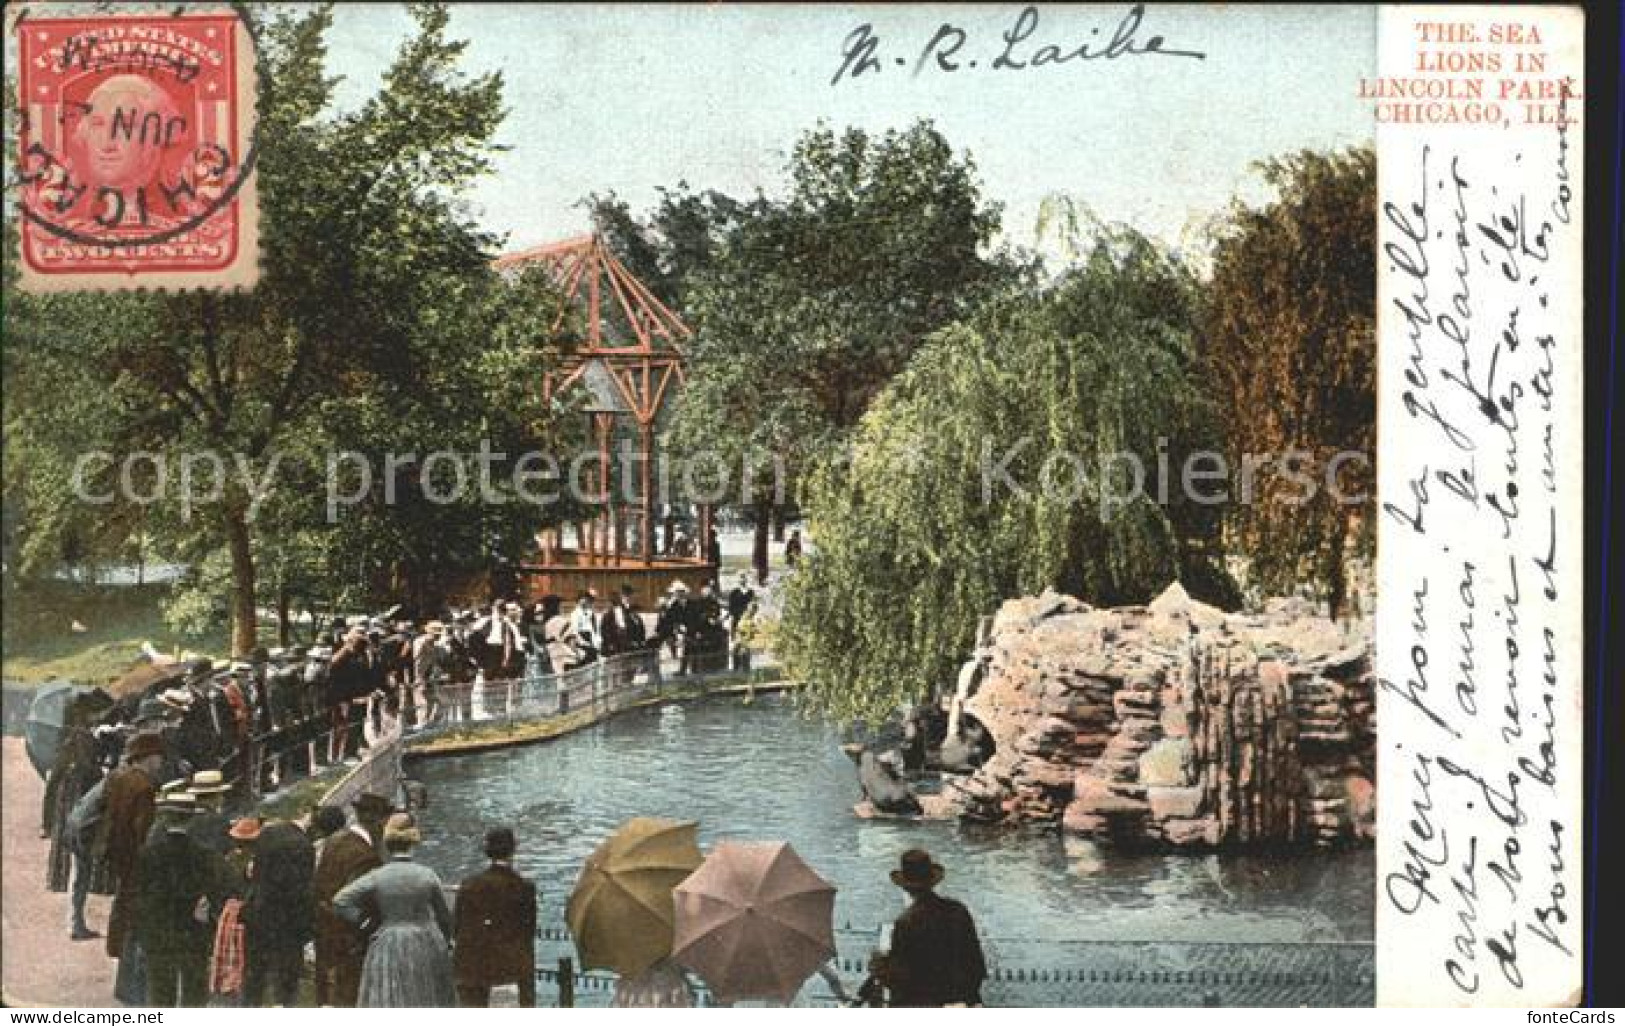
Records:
x=935, y=958
x=348, y=855
x=495, y=931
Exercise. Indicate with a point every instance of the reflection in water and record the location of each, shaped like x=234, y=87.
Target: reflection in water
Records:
x=760, y=772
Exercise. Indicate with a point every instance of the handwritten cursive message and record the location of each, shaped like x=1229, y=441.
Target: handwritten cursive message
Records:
x=1480, y=582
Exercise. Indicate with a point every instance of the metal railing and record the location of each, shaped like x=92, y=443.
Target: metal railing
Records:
x=1030, y=971
x=587, y=692
x=308, y=741
x=1039, y=971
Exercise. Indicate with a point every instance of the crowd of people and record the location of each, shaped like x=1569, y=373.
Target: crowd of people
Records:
x=210, y=910
x=280, y=714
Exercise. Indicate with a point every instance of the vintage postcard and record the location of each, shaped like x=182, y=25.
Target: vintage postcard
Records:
x=815, y=505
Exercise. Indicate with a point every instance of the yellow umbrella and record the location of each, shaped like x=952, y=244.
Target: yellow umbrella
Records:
x=754, y=921
x=621, y=913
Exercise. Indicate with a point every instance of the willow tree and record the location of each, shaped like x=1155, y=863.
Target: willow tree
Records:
x=1001, y=462
x=1290, y=344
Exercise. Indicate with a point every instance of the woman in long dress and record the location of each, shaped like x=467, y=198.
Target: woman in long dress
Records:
x=408, y=960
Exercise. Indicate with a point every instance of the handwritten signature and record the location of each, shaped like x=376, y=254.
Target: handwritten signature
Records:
x=950, y=49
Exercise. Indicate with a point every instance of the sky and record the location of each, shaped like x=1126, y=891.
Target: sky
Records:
x=630, y=98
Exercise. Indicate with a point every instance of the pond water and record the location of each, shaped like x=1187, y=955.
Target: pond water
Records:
x=759, y=771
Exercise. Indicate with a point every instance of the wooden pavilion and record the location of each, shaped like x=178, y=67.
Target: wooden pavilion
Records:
x=616, y=343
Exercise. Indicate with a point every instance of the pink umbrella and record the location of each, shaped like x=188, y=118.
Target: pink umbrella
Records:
x=754, y=921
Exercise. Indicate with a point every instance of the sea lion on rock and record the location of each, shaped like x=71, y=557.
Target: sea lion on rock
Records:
x=968, y=749
x=883, y=786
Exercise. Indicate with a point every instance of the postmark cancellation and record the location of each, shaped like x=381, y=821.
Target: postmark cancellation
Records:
x=136, y=148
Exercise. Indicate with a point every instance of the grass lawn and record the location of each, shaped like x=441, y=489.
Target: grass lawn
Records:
x=40, y=644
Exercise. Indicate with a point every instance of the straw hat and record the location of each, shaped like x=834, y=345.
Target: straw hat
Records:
x=177, y=698
x=677, y=588
x=208, y=782
x=434, y=627
x=178, y=801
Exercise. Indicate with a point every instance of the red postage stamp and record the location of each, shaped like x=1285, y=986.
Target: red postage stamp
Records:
x=137, y=148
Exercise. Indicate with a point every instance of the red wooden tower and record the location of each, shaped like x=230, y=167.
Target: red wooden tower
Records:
x=622, y=349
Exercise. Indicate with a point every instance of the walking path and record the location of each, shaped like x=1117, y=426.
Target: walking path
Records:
x=39, y=965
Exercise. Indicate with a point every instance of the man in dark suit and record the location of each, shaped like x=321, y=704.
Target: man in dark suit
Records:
x=176, y=895
x=495, y=928
x=351, y=677
x=612, y=639
x=131, y=794
x=210, y=827
x=713, y=555
x=740, y=596
x=673, y=622
x=705, y=634
x=278, y=914
x=637, y=636
x=936, y=957
x=348, y=855
x=622, y=630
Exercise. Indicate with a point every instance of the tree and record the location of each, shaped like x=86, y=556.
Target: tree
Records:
x=1290, y=347
x=808, y=305
x=917, y=539
x=371, y=274
x=676, y=242
x=438, y=515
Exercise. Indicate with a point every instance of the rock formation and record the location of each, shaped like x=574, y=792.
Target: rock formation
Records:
x=1175, y=724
